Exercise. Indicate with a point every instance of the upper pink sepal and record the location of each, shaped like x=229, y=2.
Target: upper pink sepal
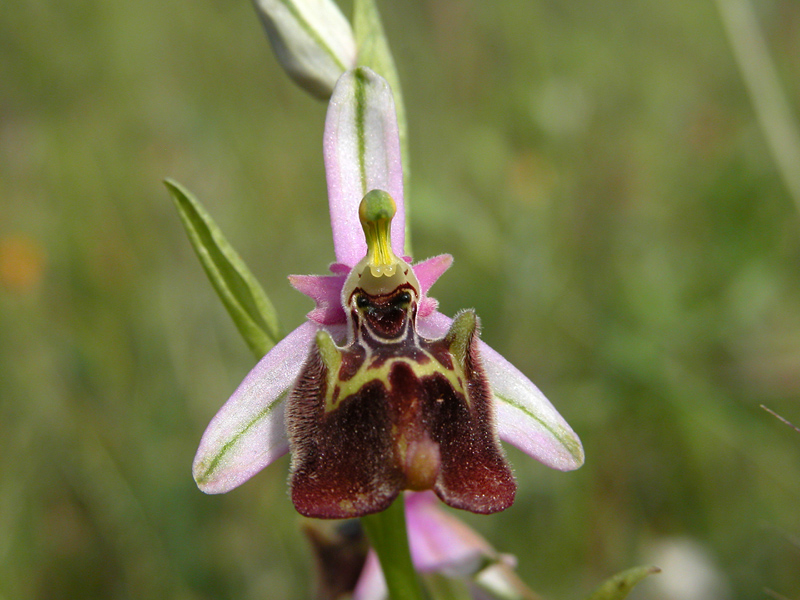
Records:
x=362, y=153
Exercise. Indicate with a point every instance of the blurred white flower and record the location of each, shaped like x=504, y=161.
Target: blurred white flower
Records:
x=688, y=572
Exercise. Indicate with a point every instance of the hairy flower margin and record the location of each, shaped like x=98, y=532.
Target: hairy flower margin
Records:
x=362, y=153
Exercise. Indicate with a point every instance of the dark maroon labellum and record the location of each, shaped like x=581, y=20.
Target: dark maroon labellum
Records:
x=391, y=411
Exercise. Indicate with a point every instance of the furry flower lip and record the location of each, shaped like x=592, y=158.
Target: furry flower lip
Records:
x=378, y=391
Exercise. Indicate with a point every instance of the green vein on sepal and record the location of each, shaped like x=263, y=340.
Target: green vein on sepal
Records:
x=243, y=297
x=620, y=585
x=312, y=33
x=360, y=80
x=571, y=443
x=206, y=469
x=374, y=52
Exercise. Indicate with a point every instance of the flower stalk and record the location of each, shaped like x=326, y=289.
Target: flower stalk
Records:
x=389, y=538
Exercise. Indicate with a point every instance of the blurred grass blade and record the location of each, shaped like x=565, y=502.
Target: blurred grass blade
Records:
x=760, y=75
x=621, y=584
x=781, y=419
x=246, y=301
x=373, y=52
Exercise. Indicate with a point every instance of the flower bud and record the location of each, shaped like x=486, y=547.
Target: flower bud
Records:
x=312, y=39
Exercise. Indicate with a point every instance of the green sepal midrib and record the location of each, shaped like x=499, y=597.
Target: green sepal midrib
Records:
x=217, y=459
x=312, y=33
x=569, y=442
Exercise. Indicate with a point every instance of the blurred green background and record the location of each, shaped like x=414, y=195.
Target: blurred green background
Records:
x=617, y=219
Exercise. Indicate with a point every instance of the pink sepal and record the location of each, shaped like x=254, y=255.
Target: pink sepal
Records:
x=362, y=153
x=248, y=432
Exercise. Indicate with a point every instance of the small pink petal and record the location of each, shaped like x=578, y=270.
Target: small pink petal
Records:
x=362, y=153
x=524, y=416
x=248, y=432
x=428, y=271
x=326, y=292
x=427, y=306
x=340, y=269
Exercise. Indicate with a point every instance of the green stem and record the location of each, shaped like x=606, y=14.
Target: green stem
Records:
x=387, y=534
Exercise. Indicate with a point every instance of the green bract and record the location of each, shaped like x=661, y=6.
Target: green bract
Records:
x=312, y=40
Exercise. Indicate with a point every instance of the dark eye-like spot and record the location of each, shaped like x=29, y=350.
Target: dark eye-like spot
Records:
x=362, y=301
x=402, y=299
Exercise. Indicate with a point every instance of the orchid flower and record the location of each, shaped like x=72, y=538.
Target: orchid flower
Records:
x=378, y=391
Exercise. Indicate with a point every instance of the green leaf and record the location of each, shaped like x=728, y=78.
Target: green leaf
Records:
x=246, y=301
x=621, y=584
x=373, y=52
